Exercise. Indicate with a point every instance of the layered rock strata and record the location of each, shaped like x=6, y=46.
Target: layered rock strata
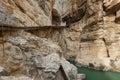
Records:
x=90, y=35
x=99, y=44
x=30, y=57
x=25, y=12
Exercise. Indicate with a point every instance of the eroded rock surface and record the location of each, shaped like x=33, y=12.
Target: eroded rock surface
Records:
x=38, y=58
x=25, y=12
x=14, y=78
x=91, y=37
x=99, y=44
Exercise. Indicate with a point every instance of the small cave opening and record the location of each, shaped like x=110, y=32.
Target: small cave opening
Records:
x=56, y=18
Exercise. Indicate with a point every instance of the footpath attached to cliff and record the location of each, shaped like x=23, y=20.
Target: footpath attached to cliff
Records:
x=37, y=37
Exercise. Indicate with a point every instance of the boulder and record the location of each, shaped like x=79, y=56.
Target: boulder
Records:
x=81, y=76
x=69, y=69
x=3, y=72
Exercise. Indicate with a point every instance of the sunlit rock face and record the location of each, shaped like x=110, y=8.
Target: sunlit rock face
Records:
x=62, y=6
x=29, y=55
x=37, y=53
x=25, y=12
x=100, y=36
x=93, y=35
x=90, y=35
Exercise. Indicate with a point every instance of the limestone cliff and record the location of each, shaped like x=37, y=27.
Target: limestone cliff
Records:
x=87, y=31
x=28, y=48
x=100, y=36
x=25, y=12
x=93, y=33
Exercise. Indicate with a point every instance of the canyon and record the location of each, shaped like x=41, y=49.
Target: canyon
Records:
x=37, y=37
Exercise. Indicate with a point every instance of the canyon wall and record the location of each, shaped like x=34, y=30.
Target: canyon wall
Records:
x=100, y=36
x=25, y=12
x=92, y=36
x=87, y=31
x=31, y=41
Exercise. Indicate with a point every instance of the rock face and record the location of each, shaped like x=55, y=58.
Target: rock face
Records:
x=30, y=55
x=94, y=37
x=15, y=78
x=84, y=30
x=3, y=72
x=99, y=44
x=118, y=17
x=38, y=58
x=25, y=13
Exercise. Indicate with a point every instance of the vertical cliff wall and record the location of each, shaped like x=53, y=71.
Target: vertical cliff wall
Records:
x=87, y=31
x=25, y=12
